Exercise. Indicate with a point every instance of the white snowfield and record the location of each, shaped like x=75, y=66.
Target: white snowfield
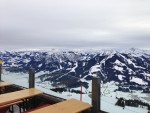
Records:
x=121, y=77
x=139, y=81
x=94, y=68
x=118, y=68
x=108, y=98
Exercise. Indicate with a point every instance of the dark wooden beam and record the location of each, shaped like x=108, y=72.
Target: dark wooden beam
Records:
x=96, y=95
x=31, y=78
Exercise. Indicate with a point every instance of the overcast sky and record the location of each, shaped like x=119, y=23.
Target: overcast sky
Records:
x=74, y=23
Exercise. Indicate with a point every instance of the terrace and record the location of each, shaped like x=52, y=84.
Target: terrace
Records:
x=18, y=99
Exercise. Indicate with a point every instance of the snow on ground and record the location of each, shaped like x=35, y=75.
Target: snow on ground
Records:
x=118, y=68
x=108, y=98
x=138, y=81
x=94, y=68
x=146, y=74
x=73, y=69
x=130, y=62
x=16, y=78
x=108, y=105
x=40, y=73
x=119, y=63
x=121, y=77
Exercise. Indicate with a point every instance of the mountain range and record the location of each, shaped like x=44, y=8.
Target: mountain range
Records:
x=128, y=69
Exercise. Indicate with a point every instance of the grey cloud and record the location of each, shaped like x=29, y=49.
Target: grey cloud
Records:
x=74, y=23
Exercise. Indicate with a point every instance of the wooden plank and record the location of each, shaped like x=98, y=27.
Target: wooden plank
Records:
x=10, y=104
x=18, y=95
x=69, y=106
x=3, y=84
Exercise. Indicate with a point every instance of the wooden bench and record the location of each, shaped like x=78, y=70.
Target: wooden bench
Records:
x=9, y=99
x=18, y=95
x=68, y=106
x=39, y=107
x=9, y=106
x=3, y=84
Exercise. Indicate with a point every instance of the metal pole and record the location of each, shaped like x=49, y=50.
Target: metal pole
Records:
x=96, y=95
x=31, y=78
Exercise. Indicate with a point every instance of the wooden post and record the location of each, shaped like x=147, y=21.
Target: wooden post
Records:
x=0, y=72
x=96, y=95
x=31, y=78
x=1, y=69
x=81, y=90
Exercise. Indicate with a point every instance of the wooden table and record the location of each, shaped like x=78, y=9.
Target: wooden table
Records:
x=69, y=106
x=18, y=95
x=3, y=84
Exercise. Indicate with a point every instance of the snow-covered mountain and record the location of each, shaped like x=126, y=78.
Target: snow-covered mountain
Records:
x=127, y=68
